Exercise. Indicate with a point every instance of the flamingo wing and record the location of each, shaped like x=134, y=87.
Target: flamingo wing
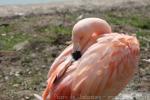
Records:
x=61, y=58
x=58, y=68
x=106, y=67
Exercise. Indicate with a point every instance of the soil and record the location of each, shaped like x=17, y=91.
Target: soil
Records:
x=23, y=72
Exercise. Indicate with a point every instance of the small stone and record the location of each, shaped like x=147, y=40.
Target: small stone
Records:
x=11, y=73
x=33, y=55
x=6, y=78
x=17, y=74
x=27, y=98
x=19, y=14
x=29, y=72
x=39, y=73
x=12, y=37
x=22, y=99
x=80, y=17
x=34, y=35
x=3, y=34
x=68, y=42
x=37, y=69
x=43, y=66
x=21, y=45
x=16, y=85
x=43, y=84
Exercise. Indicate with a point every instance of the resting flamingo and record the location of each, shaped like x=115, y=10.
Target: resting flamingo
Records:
x=96, y=66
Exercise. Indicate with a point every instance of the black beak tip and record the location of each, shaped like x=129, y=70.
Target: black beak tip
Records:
x=76, y=55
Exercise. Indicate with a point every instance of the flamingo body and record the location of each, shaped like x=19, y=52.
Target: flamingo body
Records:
x=104, y=69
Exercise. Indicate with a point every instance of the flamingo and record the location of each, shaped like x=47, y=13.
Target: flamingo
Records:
x=97, y=65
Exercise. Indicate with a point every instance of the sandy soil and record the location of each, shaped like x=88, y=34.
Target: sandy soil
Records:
x=23, y=73
x=15, y=10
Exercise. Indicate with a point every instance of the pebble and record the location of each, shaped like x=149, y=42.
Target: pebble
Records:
x=37, y=69
x=33, y=55
x=43, y=66
x=133, y=96
x=43, y=84
x=3, y=34
x=16, y=85
x=19, y=13
x=11, y=73
x=29, y=72
x=27, y=98
x=17, y=74
x=6, y=78
x=21, y=45
x=80, y=17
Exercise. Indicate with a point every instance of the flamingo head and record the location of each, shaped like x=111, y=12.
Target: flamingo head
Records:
x=85, y=33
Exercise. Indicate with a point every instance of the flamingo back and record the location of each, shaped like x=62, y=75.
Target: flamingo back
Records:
x=102, y=72
x=106, y=67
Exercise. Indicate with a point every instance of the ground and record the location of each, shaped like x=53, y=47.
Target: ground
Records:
x=30, y=43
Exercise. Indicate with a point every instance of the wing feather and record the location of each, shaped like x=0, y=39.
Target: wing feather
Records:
x=107, y=66
x=61, y=58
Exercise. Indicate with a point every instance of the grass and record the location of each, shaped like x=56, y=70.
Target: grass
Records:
x=53, y=34
x=56, y=29
x=140, y=23
x=8, y=41
x=47, y=35
x=5, y=29
x=136, y=20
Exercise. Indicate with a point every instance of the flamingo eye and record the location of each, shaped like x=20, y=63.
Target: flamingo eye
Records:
x=76, y=55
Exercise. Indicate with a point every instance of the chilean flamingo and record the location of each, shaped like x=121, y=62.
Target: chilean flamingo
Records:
x=97, y=65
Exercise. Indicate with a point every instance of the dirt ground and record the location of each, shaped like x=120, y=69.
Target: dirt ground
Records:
x=31, y=37
x=17, y=10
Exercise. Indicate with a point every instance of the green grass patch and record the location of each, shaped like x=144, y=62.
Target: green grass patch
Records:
x=56, y=29
x=137, y=21
x=7, y=41
x=55, y=34
x=5, y=29
x=143, y=37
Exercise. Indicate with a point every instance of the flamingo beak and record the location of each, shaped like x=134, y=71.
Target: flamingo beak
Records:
x=76, y=54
